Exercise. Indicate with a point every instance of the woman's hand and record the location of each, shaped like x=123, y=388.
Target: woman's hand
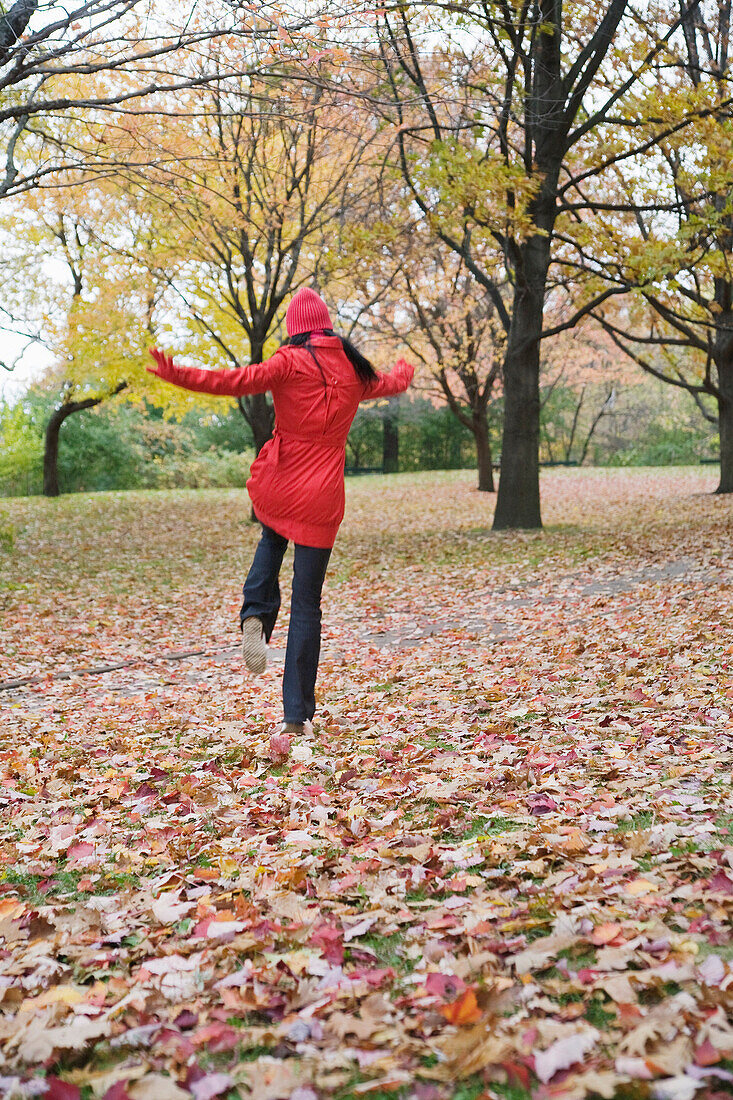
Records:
x=165, y=366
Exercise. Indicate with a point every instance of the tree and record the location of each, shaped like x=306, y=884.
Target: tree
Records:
x=417, y=292
x=582, y=376
x=101, y=341
x=493, y=104
x=460, y=327
x=94, y=314
x=674, y=250
x=250, y=179
x=451, y=329
x=67, y=407
x=391, y=436
x=102, y=58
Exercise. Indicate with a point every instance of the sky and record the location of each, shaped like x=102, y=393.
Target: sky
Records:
x=14, y=383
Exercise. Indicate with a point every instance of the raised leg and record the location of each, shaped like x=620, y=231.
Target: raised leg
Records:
x=262, y=588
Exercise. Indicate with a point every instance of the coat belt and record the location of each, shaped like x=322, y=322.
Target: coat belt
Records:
x=318, y=440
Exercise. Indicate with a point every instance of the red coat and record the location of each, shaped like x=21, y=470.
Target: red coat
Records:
x=297, y=480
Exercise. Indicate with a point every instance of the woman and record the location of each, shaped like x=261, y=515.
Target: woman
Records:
x=317, y=380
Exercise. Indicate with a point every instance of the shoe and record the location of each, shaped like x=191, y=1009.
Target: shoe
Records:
x=254, y=646
x=297, y=729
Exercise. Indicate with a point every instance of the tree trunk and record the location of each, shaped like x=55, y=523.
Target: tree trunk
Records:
x=574, y=426
x=518, y=500
x=51, y=452
x=480, y=429
x=51, y=446
x=13, y=23
x=256, y=409
x=260, y=416
x=391, y=437
x=605, y=407
x=725, y=427
x=261, y=419
x=724, y=364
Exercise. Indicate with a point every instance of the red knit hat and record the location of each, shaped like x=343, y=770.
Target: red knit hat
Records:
x=307, y=311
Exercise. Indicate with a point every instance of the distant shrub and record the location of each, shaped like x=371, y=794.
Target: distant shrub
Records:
x=21, y=452
x=122, y=446
x=210, y=470
x=677, y=448
x=430, y=438
x=653, y=424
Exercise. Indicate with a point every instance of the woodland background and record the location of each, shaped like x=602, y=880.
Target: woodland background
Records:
x=531, y=202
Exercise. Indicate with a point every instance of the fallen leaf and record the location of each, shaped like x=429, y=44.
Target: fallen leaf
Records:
x=463, y=1011
x=564, y=1053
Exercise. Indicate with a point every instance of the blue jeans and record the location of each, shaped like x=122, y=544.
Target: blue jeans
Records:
x=262, y=600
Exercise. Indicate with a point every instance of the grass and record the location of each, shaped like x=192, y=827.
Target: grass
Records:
x=644, y=819
x=580, y=955
x=388, y=951
x=485, y=827
x=471, y=1089
x=723, y=950
x=597, y=1014
x=64, y=884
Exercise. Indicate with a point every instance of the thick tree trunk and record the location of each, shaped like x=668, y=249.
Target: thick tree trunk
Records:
x=260, y=418
x=13, y=22
x=480, y=429
x=51, y=446
x=724, y=364
x=256, y=409
x=518, y=500
x=51, y=452
x=725, y=427
x=391, y=437
x=548, y=121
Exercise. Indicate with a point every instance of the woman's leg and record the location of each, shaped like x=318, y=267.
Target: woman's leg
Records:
x=304, y=634
x=262, y=589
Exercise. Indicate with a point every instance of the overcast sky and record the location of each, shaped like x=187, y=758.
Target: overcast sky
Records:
x=14, y=383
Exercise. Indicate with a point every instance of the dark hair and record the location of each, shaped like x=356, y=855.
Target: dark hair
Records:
x=364, y=369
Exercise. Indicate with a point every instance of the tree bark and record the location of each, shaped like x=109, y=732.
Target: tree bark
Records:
x=256, y=409
x=259, y=416
x=480, y=429
x=725, y=427
x=12, y=25
x=518, y=499
x=391, y=437
x=51, y=446
x=51, y=451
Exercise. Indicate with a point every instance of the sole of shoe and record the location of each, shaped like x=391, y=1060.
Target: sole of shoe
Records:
x=254, y=647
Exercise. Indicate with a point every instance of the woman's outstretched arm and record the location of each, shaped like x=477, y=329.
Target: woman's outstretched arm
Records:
x=257, y=378
x=385, y=385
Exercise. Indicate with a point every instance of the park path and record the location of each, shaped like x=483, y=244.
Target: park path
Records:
x=568, y=595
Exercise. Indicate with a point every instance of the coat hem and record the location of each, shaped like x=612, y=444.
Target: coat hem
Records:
x=318, y=537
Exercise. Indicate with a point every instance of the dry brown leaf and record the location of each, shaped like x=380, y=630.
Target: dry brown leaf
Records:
x=469, y=1050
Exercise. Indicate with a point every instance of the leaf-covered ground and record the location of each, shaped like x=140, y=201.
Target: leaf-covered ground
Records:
x=503, y=867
